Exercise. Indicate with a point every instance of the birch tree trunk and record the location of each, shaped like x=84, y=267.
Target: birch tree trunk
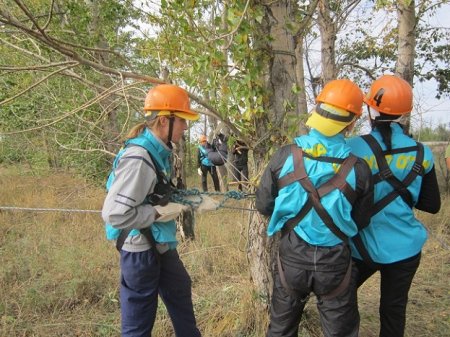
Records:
x=328, y=29
x=406, y=44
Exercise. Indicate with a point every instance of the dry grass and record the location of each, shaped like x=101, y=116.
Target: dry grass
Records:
x=59, y=276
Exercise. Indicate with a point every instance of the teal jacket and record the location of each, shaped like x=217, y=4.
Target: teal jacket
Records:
x=394, y=233
x=285, y=203
x=203, y=156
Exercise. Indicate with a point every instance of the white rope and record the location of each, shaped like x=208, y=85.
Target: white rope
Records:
x=11, y=208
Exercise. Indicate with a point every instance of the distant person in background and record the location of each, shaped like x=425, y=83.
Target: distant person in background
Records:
x=141, y=219
x=205, y=165
x=447, y=157
x=240, y=163
x=404, y=179
x=219, y=155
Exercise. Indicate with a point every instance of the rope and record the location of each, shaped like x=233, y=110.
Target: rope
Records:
x=11, y=208
x=179, y=196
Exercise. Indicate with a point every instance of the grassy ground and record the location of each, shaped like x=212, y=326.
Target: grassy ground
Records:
x=59, y=276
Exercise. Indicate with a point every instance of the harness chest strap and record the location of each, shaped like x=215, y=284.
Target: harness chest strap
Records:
x=338, y=181
x=400, y=187
x=160, y=195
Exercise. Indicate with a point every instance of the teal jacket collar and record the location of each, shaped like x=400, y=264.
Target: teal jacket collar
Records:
x=160, y=152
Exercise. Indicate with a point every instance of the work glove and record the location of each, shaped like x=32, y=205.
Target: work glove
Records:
x=199, y=171
x=204, y=203
x=169, y=212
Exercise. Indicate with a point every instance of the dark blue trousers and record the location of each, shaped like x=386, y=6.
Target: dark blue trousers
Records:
x=143, y=277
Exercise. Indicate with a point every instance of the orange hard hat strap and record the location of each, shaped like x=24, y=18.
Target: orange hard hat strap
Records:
x=171, y=118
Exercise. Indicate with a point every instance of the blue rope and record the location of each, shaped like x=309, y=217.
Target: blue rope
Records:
x=179, y=196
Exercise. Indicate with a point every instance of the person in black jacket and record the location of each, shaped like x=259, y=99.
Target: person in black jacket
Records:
x=240, y=163
x=317, y=194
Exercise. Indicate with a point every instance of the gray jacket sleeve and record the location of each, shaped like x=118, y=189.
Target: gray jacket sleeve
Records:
x=135, y=178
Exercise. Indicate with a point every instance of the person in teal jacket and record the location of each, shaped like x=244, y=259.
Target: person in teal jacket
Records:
x=142, y=221
x=316, y=193
x=205, y=165
x=404, y=178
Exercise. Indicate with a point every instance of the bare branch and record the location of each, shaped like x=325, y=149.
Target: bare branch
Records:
x=68, y=114
x=38, y=67
x=83, y=150
x=36, y=84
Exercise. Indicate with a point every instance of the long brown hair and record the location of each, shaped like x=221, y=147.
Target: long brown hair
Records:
x=139, y=128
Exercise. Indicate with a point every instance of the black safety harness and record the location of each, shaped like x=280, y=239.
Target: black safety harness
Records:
x=338, y=181
x=400, y=187
x=160, y=196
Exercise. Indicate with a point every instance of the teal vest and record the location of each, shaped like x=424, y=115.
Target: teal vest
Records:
x=204, y=157
x=143, y=141
x=293, y=197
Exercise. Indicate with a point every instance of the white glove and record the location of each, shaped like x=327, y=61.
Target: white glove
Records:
x=169, y=212
x=199, y=171
x=207, y=203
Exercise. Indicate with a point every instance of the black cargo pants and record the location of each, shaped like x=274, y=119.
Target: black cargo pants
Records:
x=319, y=270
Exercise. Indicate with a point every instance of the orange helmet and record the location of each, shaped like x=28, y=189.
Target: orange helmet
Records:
x=167, y=99
x=343, y=94
x=390, y=95
x=202, y=139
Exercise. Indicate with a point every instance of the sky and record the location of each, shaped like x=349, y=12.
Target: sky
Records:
x=435, y=111
x=428, y=111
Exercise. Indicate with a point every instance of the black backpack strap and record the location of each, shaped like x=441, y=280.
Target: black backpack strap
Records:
x=294, y=175
x=339, y=181
x=147, y=232
x=417, y=169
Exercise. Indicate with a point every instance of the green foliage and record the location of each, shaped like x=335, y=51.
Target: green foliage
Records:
x=428, y=134
x=216, y=49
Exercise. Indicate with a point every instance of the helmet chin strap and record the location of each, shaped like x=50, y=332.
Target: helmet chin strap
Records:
x=169, y=137
x=375, y=116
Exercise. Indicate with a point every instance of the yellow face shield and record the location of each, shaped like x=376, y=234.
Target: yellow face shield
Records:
x=329, y=120
x=181, y=114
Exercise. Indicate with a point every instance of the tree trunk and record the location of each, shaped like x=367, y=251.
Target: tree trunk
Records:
x=110, y=126
x=302, y=106
x=406, y=45
x=279, y=76
x=328, y=38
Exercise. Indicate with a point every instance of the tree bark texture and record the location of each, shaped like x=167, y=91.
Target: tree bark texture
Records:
x=278, y=54
x=328, y=29
x=406, y=44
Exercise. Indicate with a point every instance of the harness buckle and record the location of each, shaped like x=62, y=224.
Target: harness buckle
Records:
x=385, y=174
x=417, y=168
